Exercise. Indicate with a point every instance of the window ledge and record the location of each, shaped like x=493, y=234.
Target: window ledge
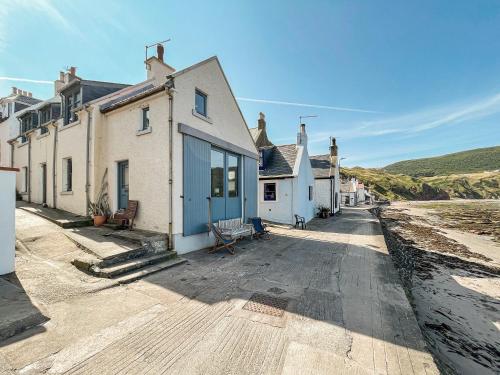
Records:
x=22, y=144
x=23, y=193
x=204, y=118
x=40, y=135
x=145, y=131
x=70, y=125
x=66, y=192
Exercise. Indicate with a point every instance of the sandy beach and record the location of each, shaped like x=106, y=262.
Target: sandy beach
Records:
x=448, y=257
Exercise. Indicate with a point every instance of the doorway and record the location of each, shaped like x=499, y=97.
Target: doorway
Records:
x=123, y=184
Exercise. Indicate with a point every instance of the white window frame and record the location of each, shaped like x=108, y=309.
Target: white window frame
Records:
x=64, y=175
x=276, y=184
x=149, y=129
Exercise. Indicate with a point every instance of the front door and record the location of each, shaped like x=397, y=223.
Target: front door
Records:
x=44, y=183
x=123, y=184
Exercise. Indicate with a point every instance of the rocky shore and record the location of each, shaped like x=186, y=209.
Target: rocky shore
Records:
x=452, y=279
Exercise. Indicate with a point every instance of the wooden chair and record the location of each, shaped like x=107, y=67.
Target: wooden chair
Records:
x=222, y=241
x=260, y=230
x=299, y=220
x=126, y=218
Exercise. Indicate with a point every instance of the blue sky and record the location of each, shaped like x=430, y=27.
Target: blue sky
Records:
x=392, y=80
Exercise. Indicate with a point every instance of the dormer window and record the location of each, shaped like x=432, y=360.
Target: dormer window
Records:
x=200, y=103
x=72, y=102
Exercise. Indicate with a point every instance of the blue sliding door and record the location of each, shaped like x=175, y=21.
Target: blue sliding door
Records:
x=196, y=182
x=250, y=187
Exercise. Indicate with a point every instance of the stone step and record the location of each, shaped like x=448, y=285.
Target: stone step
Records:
x=114, y=270
x=142, y=272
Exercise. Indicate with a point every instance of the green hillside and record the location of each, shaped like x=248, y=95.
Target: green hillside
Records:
x=388, y=186
x=471, y=161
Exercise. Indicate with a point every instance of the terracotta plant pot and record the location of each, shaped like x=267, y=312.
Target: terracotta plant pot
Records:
x=99, y=220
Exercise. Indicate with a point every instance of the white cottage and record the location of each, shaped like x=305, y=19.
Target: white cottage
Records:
x=176, y=142
x=327, y=179
x=286, y=181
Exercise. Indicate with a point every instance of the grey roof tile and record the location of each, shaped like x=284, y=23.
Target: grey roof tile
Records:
x=281, y=161
x=320, y=165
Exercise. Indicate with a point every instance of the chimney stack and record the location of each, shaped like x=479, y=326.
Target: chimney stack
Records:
x=334, y=152
x=261, y=122
x=302, y=136
x=160, y=50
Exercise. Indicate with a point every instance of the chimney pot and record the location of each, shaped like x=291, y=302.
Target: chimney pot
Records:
x=72, y=70
x=61, y=76
x=14, y=90
x=160, y=50
x=302, y=128
x=30, y=94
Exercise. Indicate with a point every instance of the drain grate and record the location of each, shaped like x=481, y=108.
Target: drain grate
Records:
x=265, y=304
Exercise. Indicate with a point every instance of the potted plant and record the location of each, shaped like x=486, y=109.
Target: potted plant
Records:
x=323, y=212
x=100, y=208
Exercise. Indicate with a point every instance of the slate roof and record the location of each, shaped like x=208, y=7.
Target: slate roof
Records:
x=281, y=161
x=127, y=95
x=27, y=100
x=320, y=165
x=38, y=105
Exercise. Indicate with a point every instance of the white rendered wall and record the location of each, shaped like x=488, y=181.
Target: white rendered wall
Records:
x=322, y=193
x=279, y=211
x=7, y=221
x=305, y=178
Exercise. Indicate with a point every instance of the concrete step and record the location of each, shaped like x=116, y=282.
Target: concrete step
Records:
x=114, y=270
x=138, y=274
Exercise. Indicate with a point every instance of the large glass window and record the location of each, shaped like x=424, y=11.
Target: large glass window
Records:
x=200, y=103
x=232, y=176
x=217, y=173
x=270, y=191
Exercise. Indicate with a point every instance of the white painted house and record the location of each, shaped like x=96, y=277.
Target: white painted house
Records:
x=9, y=125
x=286, y=181
x=348, y=192
x=327, y=179
x=176, y=142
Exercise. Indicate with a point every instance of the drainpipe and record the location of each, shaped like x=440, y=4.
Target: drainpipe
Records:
x=11, y=154
x=29, y=168
x=87, y=162
x=54, y=164
x=169, y=86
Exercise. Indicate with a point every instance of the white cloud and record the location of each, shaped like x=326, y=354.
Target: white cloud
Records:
x=423, y=120
x=17, y=79
x=345, y=109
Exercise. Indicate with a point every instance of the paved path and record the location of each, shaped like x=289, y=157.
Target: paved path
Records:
x=346, y=313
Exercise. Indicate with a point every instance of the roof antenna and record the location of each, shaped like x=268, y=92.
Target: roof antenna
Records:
x=155, y=44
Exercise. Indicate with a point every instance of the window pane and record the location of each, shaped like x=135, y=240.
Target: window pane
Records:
x=232, y=176
x=145, y=118
x=201, y=103
x=270, y=192
x=217, y=173
x=69, y=174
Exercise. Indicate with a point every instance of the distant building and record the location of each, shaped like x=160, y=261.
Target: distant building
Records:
x=9, y=125
x=286, y=181
x=348, y=192
x=327, y=179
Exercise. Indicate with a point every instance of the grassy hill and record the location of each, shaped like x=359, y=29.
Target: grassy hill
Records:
x=477, y=160
x=390, y=186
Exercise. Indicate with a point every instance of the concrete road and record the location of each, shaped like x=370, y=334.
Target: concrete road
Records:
x=326, y=300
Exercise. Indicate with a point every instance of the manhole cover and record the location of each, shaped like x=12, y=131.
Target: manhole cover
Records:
x=264, y=304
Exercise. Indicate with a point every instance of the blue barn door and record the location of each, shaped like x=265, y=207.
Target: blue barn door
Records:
x=250, y=181
x=196, y=180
